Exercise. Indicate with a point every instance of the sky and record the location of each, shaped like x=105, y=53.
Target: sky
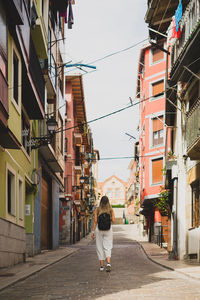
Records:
x=103, y=27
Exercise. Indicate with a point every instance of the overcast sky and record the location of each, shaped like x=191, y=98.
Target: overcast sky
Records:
x=102, y=27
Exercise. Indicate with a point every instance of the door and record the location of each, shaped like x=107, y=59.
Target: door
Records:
x=45, y=214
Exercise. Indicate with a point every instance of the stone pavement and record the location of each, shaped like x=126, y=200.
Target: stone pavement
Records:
x=11, y=275
x=160, y=256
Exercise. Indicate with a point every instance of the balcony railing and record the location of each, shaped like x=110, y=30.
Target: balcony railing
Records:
x=193, y=132
x=36, y=72
x=188, y=24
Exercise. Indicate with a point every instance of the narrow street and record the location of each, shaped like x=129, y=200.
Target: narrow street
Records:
x=133, y=276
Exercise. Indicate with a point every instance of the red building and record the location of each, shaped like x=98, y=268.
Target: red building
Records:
x=151, y=91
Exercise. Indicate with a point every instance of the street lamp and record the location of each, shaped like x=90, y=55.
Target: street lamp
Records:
x=37, y=142
x=51, y=125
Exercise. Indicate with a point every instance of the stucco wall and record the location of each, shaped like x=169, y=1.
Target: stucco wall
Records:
x=12, y=244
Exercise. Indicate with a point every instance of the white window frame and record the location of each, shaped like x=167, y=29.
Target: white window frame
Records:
x=11, y=216
x=153, y=116
x=20, y=198
x=16, y=105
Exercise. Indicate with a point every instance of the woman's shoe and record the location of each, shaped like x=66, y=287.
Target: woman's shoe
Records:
x=101, y=269
x=108, y=268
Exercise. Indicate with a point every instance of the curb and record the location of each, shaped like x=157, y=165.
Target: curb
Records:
x=40, y=268
x=23, y=277
x=154, y=261
x=167, y=267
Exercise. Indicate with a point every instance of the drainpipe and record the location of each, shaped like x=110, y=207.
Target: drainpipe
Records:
x=175, y=223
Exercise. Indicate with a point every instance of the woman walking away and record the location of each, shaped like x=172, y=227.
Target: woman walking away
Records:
x=103, y=217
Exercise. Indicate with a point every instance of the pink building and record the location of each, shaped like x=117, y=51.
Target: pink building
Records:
x=79, y=194
x=151, y=91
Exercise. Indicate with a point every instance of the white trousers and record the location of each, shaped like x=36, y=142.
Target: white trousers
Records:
x=104, y=243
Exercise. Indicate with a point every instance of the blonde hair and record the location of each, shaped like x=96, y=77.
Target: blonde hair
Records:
x=104, y=205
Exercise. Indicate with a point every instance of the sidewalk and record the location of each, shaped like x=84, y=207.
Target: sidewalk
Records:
x=9, y=276
x=160, y=256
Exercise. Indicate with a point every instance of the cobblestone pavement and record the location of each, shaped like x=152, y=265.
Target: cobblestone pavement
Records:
x=133, y=276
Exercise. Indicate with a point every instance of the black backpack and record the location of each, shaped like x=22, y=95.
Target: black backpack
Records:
x=104, y=221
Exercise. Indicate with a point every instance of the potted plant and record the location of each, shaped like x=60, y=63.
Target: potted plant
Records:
x=162, y=203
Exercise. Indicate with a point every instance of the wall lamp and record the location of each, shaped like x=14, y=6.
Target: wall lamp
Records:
x=37, y=142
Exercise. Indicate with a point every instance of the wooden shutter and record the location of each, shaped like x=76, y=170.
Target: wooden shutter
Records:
x=158, y=88
x=157, y=124
x=157, y=166
x=157, y=55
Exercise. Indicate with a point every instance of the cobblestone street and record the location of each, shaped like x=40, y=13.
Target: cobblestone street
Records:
x=133, y=276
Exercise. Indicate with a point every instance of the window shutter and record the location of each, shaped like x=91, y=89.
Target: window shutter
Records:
x=157, y=55
x=157, y=166
x=157, y=124
x=158, y=88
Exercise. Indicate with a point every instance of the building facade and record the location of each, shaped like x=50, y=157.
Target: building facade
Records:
x=115, y=189
x=182, y=106
x=76, y=205
x=151, y=91
x=31, y=158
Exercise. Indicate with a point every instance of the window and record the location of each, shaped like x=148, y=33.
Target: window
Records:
x=157, y=175
x=11, y=203
x=143, y=136
x=60, y=134
x=157, y=55
x=158, y=88
x=196, y=204
x=158, y=131
x=26, y=133
x=193, y=94
x=66, y=145
x=117, y=193
x=143, y=176
x=15, y=77
x=21, y=200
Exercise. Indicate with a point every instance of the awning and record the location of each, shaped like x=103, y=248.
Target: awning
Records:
x=147, y=207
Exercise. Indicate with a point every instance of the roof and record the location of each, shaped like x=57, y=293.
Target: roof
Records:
x=159, y=15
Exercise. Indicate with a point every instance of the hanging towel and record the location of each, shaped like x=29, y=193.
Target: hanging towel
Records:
x=64, y=13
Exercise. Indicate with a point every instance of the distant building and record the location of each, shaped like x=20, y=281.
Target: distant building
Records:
x=114, y=188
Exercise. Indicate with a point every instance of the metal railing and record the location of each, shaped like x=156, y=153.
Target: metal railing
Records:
x=188, y=24
x=36, y=73
x=193, y=125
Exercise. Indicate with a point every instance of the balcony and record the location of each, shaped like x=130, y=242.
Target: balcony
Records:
x=193, y=132
x=189, y=26
x=50, y=156
x=39, y=35
x=33, y=87
x=15, y=6
x=77, y=139
x=78, y=170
